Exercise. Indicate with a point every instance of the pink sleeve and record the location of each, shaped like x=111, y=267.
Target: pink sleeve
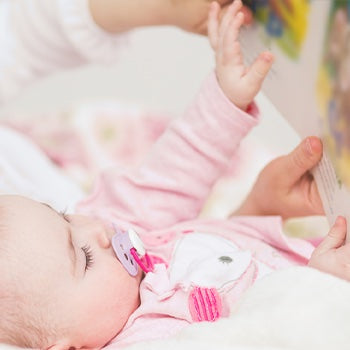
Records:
x=174, y=180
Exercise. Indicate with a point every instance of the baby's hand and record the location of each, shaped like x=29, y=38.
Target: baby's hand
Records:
x=239, y=83
x=333, y=254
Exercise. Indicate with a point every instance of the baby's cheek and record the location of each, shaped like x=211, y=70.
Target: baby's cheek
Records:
x=120, y=289
x=119, y=302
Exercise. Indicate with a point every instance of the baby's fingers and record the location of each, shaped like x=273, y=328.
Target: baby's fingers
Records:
x=213, y=24
x=231, y=46
x=259, y=69
x=230, y=14
x=335, y=238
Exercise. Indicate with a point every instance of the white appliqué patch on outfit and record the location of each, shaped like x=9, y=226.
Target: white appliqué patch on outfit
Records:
x=207, y=260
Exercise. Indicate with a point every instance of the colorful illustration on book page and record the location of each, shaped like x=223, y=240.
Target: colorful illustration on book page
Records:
x=285, y=22
x=333, y=89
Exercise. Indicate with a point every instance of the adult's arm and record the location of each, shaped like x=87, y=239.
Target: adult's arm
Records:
x=40, y=37
x=190, y=15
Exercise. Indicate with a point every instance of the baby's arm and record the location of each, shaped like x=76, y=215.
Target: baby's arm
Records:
x=333, y=253
x=174, y=181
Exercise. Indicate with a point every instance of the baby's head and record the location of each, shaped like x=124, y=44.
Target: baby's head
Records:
x=60, y=282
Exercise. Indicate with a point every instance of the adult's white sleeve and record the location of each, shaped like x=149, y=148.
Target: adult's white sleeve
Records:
x=40, y=37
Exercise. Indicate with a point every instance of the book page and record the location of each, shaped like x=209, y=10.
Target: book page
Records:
x=297, y=36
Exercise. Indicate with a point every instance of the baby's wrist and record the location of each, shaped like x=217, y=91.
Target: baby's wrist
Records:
x=243, y=106
x=231, y=93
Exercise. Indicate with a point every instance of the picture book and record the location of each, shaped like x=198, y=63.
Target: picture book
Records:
x=310, y=81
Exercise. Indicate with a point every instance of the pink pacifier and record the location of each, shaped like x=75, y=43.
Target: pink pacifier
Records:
x=130, y=251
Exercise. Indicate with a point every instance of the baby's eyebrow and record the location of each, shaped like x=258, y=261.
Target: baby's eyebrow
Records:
x=71, y=251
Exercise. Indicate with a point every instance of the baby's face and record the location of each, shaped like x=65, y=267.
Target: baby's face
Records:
x=68, y=263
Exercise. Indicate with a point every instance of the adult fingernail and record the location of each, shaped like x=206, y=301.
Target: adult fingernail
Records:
x=308, y=147
x=313, y=145
x=340, y=220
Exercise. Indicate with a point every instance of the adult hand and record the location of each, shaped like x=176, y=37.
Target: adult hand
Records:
x=333, y=253
x=285, y=186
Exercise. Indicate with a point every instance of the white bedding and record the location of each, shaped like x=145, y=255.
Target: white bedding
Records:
x=298, y=308
x=25, y=170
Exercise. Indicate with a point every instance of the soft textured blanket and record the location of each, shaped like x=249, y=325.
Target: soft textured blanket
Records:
x=298, y=308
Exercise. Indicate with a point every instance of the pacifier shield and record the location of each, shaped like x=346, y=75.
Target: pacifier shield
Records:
x=122, y=245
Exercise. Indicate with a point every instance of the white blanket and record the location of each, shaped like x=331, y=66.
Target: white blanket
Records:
x=25, y=170
x=298, y=308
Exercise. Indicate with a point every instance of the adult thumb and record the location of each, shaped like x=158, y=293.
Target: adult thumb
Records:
x=335, y=238
x=303, y=158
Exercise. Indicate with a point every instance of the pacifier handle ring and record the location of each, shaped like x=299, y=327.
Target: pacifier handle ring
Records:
x=145, y=268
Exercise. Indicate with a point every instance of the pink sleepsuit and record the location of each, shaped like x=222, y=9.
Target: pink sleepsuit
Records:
x=203, y=265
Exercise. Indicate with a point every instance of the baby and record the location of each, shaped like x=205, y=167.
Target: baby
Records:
x=62, y=285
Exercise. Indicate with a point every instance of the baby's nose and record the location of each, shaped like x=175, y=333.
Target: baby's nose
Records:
x=102, y=236
x=104, y=241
